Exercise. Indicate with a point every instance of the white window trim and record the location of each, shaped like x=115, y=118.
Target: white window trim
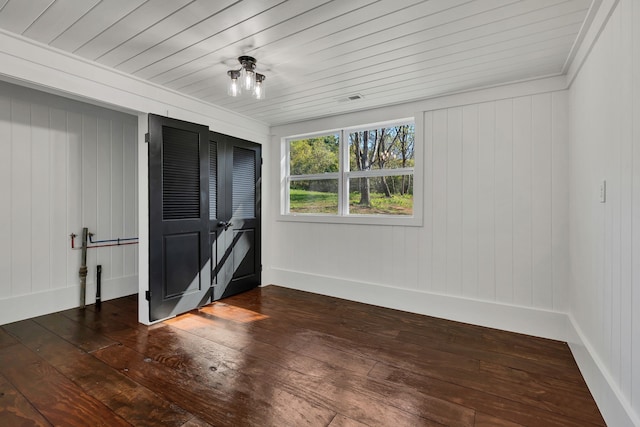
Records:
x=416, y=220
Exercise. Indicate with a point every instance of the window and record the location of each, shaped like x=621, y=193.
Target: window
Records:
x=314, y=175
x=365, y=172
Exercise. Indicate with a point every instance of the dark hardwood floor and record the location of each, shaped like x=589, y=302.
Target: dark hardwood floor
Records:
x=280, y=357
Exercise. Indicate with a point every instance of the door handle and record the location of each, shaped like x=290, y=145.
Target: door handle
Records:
x=224, y=224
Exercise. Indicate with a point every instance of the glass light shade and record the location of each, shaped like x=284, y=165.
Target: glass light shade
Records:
x=258, y=91
x=234, y=88
x=248, y=78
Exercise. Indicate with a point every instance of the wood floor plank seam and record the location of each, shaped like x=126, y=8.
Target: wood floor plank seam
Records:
x=317, y=398
x=42, y=351
x=275, y=356
x=51, y=392
x=481, y=390
x=381, y=401
x=21, y=400
x=521, y=405
x=476, y=402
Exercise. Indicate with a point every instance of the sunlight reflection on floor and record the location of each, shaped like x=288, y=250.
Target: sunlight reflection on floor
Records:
x=230, y=312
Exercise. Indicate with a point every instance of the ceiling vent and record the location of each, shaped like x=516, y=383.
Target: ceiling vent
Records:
x=350, y=98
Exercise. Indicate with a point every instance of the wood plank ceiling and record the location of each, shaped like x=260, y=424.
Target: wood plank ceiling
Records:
x=316, y=54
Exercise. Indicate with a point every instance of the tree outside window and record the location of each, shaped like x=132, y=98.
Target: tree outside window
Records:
x=364, y=171
x=390, y=151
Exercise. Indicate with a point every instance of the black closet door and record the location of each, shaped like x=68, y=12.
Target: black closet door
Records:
x=235, y=227
x=179, y=253
x=204, y=216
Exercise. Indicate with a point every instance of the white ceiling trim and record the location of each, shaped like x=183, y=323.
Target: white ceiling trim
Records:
x=599, y=14
x=314, y=53
x=65, y=74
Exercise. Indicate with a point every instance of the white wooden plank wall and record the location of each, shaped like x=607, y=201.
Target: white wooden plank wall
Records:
x=486, y=198
x=491, y=171
x=605, y=237
x=64, y=165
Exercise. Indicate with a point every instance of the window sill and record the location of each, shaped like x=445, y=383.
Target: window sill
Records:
x=407, y=221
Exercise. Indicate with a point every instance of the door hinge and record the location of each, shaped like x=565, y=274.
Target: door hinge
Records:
x=147, y=295
x=146, y=137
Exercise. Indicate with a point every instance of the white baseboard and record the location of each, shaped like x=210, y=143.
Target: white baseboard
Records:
x=525, y=320
x=615, y=409
x=32, y=305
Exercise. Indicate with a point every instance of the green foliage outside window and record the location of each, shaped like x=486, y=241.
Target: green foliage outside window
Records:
x=375, y=149
x=315, y=155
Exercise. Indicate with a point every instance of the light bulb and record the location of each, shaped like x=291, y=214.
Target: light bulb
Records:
x=234, y=84
x=234, y=88
x=248, y=79
x=258, y=92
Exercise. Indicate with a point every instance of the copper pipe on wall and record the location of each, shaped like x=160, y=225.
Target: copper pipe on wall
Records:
x=119, y=242
x=86, y=237
x=106, y=246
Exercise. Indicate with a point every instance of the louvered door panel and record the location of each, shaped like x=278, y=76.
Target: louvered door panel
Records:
x=237, y=231
x=244, y=183
x=213, y=180
x=179, y=253
x=180, y=174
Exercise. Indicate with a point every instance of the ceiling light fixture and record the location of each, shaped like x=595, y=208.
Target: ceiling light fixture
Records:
x=246, y=79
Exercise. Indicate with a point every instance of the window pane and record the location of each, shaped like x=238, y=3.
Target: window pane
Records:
x=315, y=155
x=314, y=196
x=385, y=195
x=383, y=148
